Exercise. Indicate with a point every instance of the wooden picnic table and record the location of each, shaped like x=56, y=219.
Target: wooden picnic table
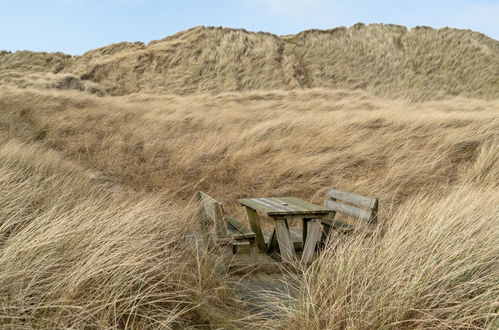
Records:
x=280, y=209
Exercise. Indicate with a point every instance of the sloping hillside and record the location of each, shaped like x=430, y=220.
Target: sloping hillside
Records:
x=387, y=60
x=97, y=215
x=95, y=198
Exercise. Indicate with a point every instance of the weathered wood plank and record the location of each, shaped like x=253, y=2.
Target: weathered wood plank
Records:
x=209, y=203
x=242, y=230
x=300, y=204
x=242, y=246
x=286, y=247
x=234, y=233
x=310, y=213
x=256, y=228
x=272, y=246
x=285, y=205
x=253, y=249
x=314, y=235
x=352, y=198
x=305, y=228
x=205, y=197
x=250, y=202
x=296, y=237
x=294, y=206
x=247, y=263
x=273, y=206
x=350, y=210
x=219, y=225
x=214, y=210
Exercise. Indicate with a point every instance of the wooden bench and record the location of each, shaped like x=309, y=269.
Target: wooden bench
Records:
x=224, y=229
x=353, y=205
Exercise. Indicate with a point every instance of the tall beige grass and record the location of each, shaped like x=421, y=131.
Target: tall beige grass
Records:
x=235, y=145
x=73, y=255
x=98, y=238
x=434, y=266
x=387, y=60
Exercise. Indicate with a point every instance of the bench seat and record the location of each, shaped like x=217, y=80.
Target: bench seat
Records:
x=237, y=230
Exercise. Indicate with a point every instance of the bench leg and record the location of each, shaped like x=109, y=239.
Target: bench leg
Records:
x=253, y=250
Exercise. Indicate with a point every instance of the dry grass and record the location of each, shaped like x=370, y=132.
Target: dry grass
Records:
x=434, y=266
x=261, y=143
x=386, y=60
x=73, y=255
x=96, y=190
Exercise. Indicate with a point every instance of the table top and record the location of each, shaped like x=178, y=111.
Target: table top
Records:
x=284, y=206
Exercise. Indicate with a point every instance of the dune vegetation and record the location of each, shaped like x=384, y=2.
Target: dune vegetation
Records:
x=100, y=158
x=387, y=60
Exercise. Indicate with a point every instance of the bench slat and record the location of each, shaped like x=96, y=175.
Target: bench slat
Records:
x=235, y=234
x=353, y=198
x=350, y=210
x=241, y=231
x=214, y=210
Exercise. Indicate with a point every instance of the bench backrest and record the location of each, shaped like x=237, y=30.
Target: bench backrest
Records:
x=211, y=211
x=357, y=206
x=225, y=227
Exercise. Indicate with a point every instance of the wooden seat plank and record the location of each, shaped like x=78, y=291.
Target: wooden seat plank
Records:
x=236, y=234
x=241, y=229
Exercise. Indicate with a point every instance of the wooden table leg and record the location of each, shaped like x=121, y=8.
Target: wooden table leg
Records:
x=305, y=229
x=254, y=221
x=286, y=247
x=314, y=235
x=272, y=242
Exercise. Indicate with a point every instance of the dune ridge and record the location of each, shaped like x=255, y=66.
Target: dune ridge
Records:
x=387, y=60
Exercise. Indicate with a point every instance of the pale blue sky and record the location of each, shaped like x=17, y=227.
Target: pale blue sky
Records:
x=75, y=26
